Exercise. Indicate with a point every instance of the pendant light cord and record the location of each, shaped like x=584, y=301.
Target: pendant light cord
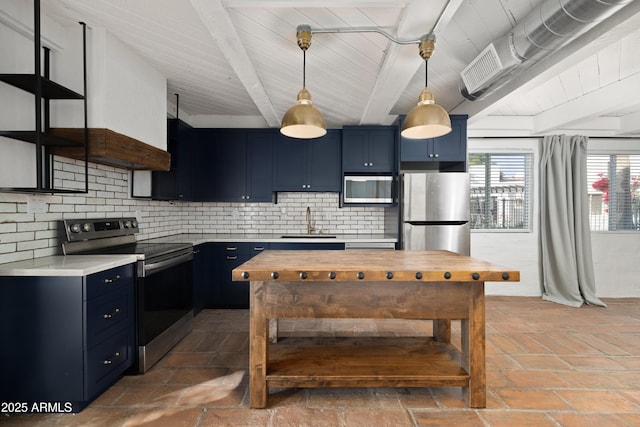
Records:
x=304, y=68
x=426, y=72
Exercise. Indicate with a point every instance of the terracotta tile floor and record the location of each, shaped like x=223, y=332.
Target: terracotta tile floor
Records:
x=548, y=365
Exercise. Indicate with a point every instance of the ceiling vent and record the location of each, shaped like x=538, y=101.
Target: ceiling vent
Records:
x=551, y=25
x=482, y=70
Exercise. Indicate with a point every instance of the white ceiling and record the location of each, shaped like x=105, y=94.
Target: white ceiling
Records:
x=236, y=62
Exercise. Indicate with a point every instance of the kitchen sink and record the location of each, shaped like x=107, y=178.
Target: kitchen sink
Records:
x=307, y=236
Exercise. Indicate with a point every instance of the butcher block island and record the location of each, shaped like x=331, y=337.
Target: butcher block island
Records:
x=432, y=285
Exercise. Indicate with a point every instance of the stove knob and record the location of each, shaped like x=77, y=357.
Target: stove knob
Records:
x=75, y=228
x=127, y=224
x=134, y=224
x=86, y=227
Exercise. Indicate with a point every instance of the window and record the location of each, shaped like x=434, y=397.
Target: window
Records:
x=614, y=191
x=500, y=190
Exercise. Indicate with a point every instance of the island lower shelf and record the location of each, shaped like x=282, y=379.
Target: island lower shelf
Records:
x=364, y=362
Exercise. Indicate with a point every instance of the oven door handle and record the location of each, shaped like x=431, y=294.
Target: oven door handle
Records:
x=155, y=267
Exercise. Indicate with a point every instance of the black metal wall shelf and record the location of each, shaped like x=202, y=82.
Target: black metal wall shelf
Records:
x=46, y=139
x=45, y=90
x=50, y=89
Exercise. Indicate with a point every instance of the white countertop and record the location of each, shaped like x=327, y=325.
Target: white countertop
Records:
x=82, y=265
x=70, y=265
x=197, y=239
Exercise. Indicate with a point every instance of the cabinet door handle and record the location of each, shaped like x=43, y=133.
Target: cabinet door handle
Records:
x=115, y=279
x=430, y=155
x=115, y=312
x=232, y=257
x=437, y=155
x=116, y=355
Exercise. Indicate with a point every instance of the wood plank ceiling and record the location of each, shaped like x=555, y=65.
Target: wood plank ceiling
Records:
x=236, y=62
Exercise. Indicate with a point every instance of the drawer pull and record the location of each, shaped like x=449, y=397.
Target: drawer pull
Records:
x=115, y=279
x=258, y=248
x=232, y=257
x=232, y=248
x=116, y=355
x=110, y=315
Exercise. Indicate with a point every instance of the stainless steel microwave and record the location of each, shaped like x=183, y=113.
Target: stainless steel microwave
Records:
x=368, y=189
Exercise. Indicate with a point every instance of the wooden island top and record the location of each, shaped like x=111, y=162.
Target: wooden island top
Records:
x=371, y=265
x=440, y=286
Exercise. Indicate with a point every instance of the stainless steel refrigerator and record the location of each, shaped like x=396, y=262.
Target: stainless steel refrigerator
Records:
x=435, y=211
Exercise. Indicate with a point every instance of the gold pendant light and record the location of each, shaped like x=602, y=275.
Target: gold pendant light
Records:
x=303, y=120
x=427, y=119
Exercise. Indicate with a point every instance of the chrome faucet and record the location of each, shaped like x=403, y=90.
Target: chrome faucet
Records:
x=310, y=228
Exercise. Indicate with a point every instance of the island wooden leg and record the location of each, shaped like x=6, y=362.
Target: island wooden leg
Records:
x=273, y=331
x=258, y=347
x=442, y=330
x=473, y=349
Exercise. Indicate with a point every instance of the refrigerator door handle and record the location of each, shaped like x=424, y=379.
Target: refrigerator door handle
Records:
x=420, y=223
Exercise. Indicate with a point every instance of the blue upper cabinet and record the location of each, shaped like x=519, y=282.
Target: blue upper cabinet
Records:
x=368, y=149
x=237, y=165
x=177, y=183
x=450, y=148
x=308, y=164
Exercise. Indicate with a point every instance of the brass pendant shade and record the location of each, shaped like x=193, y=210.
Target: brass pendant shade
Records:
x=427, y=119
x=303, y=120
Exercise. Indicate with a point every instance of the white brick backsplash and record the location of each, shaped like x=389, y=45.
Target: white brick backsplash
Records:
x=15, y=217
x=32, y=226
x=46, y=234
x=62, y=175
x=47, y=251
x=7, y=248
x=85, y=208
x=7, y=228
x=108, y=196
x=35, y=244
x=17, y=237
x=8, y=207
x=74, y=168
x=74, y=200
x=61, y=208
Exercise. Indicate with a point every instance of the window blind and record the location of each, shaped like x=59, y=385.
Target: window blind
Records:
x=500, y=190
x=614, y=191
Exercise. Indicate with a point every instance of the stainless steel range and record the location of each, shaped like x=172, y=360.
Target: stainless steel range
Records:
x=164, y=282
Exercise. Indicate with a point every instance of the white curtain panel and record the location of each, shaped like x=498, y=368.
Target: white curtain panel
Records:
x=566, y=260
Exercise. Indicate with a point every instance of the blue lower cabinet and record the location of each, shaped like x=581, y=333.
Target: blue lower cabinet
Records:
x=203, y=276
x=226, y=293
x=224, y=257
x=65, y=340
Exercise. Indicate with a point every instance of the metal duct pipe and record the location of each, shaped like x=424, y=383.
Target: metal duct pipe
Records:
x=552, y=24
